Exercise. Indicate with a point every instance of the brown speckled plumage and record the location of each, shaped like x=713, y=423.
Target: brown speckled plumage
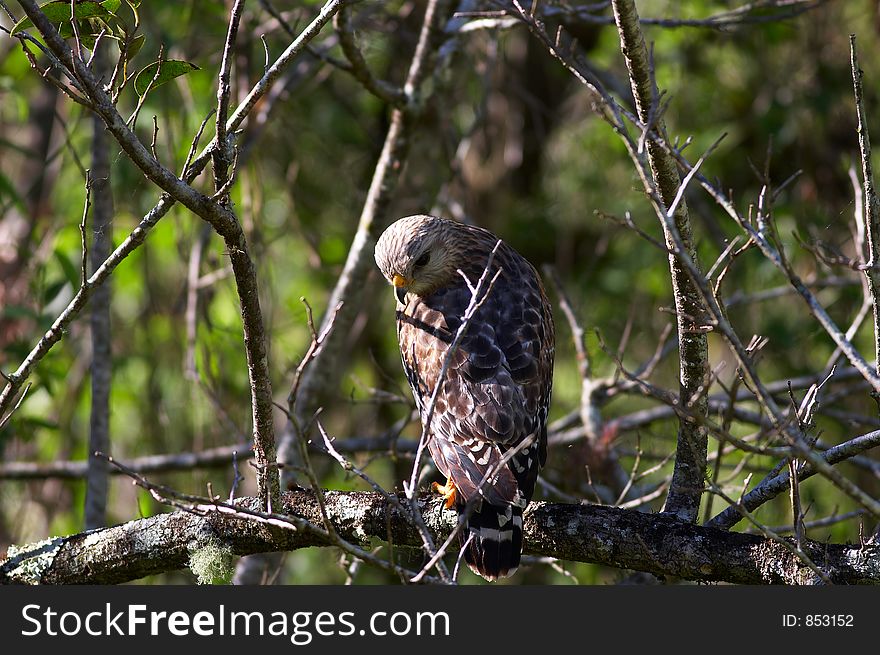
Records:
x=496, y=393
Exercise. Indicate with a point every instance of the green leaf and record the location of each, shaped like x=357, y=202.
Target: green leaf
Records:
x=51, y=292
x=135, y=46
x=36, y=422
x=170, y=69
x=88, y=31
x=134, y=4
x=58, y=11
x=71, y=271
x=111, y=5
x=12, y=312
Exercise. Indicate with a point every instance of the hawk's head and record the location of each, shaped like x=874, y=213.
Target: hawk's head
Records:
x=418, y=254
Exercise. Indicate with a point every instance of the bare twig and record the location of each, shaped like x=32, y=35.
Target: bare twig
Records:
x=222, y=154
x=77, y=95
x=5, y=419
x=188, y=461
x=820, y=523
x=313, y=351
x=191, y=314
x=132, y=119
x=750, y=13
x=772, y=486
x=871, y=200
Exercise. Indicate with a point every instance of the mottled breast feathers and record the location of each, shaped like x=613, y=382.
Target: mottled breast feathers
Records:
x=495, y=393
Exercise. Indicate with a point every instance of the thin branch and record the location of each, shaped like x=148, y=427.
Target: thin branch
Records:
x=132, y=119
x=77, y=96
x=220, y=456
x=314, y=349
x=772, y=486
x=751, y=13
x=191, y=313
x=871, y=200
x=222, y=155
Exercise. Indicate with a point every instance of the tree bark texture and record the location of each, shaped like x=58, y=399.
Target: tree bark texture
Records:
x=660, y=544
x=690, y=455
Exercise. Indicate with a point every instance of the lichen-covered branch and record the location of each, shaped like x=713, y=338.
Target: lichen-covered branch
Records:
x=659, y=544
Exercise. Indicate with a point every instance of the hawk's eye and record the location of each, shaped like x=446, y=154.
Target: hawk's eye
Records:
x=423, y=260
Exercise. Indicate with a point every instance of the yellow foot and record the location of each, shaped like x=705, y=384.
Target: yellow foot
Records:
x=447, y=491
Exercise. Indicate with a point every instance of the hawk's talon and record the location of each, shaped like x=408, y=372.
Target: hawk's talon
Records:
x=448, y=492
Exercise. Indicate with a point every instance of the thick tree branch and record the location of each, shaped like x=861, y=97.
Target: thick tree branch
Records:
x=659, y=544
x=690, y=456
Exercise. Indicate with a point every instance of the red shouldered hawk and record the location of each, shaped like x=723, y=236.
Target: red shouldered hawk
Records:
x=496, y=392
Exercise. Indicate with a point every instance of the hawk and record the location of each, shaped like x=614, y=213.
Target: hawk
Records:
x=495, y=395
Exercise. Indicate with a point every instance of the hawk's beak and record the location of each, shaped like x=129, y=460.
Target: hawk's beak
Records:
x=400, y=284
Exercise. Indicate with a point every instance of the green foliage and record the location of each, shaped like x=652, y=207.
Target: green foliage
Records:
x=59, y=11
x=158, y=73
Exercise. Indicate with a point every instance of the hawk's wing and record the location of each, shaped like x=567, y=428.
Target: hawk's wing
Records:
x=496, y=390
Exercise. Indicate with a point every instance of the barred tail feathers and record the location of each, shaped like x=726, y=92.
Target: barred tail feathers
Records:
x=496, y=541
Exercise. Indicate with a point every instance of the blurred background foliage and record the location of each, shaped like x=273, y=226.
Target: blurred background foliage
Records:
x=510, y=144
